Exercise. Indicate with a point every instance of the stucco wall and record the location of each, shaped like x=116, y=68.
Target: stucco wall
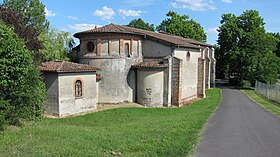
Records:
x=150, y=87
x=68, y=103
x=51, y=83
x=189, y=75
x=153, y=49
x=118, y=82
x=115, y=47
x=110, y=45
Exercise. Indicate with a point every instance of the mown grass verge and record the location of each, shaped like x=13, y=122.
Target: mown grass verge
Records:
x=270, y=106
x=123, y=131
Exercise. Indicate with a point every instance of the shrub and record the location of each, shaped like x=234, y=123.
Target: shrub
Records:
x=22, y=91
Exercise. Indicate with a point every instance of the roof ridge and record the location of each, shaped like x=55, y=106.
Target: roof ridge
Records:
x=118, y=26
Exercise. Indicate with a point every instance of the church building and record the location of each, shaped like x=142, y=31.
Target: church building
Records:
x=132, y=65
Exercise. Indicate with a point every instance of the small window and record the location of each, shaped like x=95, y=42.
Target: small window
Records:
x=90, y=46
x=78, y=88
x=188, y=56
x=126, y=50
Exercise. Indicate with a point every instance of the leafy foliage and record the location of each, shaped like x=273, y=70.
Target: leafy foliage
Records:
x=182, y=26
x=56, y=45
x=141, y=24
x=244, y=44
x=18, y=23
x=22, y=92
x=277, y=51
x=30, y=9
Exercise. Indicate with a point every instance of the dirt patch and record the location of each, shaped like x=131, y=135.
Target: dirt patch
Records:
x=100, y=107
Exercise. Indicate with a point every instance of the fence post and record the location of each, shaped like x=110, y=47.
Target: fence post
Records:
x=256, y=86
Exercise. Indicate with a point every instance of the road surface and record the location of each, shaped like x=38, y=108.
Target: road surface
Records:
x=240, y=128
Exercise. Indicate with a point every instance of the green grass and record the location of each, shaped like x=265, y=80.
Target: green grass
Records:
x=131, y=131
x=270, y=106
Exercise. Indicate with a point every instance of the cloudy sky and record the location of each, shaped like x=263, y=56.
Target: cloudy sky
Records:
x=78, y=15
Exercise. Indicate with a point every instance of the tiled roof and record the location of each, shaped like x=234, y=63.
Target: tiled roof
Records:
x=150, y=64
x=172, y=39
x=64, y=66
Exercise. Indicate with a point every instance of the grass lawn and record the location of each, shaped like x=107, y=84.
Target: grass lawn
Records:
x=123, y=131
x=270, y=106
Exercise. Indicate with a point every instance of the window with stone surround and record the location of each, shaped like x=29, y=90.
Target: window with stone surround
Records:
x=78, y=88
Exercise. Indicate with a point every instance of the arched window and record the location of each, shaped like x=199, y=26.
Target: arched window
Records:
x=78, y=88
x=126, y=50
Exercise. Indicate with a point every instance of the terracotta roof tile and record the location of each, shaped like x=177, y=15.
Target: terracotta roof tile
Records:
x=150, y=64
x=173, y=39
x=64, y=66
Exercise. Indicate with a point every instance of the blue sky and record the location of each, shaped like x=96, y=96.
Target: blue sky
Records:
x=78, y=15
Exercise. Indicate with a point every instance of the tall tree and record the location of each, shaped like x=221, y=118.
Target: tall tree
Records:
x=31, y=9
x=182, y=26
x=243, y=43
x=56, y=45
x=27, y=32
x=22, y=93
x=277, y=51
x=141, y=24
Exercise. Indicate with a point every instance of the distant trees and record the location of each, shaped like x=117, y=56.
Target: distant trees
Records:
x=175, y=24
x=56, y=45
x=182, y=26
x=139, y=23
x=245, y=48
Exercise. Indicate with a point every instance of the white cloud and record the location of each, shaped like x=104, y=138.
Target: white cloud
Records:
x=49, y=12
x=138, y=3
x=72, y=17
x=195, y=5
x=213, y=31
x=105, y=13
x=227, y=1
x=82, y=27
x=126, y=13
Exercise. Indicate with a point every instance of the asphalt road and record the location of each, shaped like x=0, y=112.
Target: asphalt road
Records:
x=240, y=128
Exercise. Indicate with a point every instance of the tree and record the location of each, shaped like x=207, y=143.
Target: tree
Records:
x=56, y=45
x=30, y=9
x=139, y=23
x=182, y=26
x=243, y=43
x=22, y=93
x=277, y=51
x=18, y=23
